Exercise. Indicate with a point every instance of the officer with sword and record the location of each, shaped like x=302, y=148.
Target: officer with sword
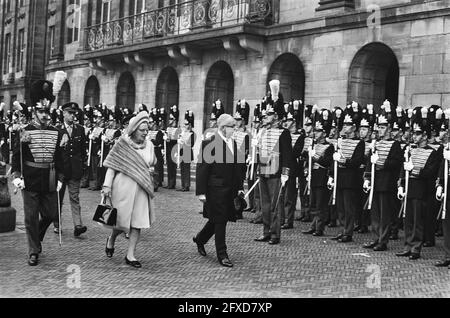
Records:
x=275, y=163
x=37, y=169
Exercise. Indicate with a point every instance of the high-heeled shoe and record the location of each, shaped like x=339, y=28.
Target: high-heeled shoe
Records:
x=135, y=264
x=109, y=251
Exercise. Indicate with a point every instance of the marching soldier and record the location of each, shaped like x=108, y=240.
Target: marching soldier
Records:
x=421, y=166
x=186, y=154
x=74, y=155
x=429, y=239
x=349, y=156
x=322, y=158
x=38, y=169
x=386, y=158
x=171, y=138
x=275, y=163
x=290, y=199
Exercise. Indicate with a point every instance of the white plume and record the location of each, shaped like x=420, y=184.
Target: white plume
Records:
x=274, y=89
x=16, y=106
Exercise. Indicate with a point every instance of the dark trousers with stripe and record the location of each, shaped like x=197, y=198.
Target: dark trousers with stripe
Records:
x=346, y=207
x=290, y=200
x=185, y=175
x=431, y=214
x=414, y=225
x=446, y=230
x=381, y=215
x=319, y=207
x=35, y=203
x=171, y=172
x=271, y=210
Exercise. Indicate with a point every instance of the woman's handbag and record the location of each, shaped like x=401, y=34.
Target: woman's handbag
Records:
x=105, y=214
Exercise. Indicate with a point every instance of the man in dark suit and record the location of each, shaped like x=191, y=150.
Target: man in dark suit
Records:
x=74, y=154
x=218, y=183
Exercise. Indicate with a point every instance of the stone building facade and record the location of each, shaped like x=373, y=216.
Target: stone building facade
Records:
x=23, y=30
x=192, y=52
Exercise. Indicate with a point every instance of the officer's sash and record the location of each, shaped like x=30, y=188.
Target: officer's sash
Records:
x=419, y=157
x=383, y=148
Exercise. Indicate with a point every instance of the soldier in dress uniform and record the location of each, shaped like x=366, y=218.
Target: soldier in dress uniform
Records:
x=110, y=134
x=157, y=138
x=159, y=147
x=38, y=169
x=362, y=219
x=444, y=140
x=255, y=196
x=171, y=138
x=242, y=138
x=422, y=163
x=398, y=126
x=88, y=119
x=309, y=114
x=322, y=158
x=292, y=191
x=349, y=156
x=336, y=127
x=444, y=217
x=435, y=116
x=386, y=155
x=275, y=164
x=95, y=139
x=74, y=156
x=186, y=142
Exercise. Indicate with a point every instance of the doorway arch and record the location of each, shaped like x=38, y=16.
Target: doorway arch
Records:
x=374, y=76
x=92, y=92
x=167, y=89
x=126, y=92
x=288, y=69
x=219, y=85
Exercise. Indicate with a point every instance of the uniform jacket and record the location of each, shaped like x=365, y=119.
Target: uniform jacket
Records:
x=348, y=171
x=218, y=176
x=74, y=152
x=42, y=146
x=322, y=161
x=420, y=178
x=387, y=171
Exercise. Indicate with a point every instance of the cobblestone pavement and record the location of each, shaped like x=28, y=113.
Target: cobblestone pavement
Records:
x=301, y=266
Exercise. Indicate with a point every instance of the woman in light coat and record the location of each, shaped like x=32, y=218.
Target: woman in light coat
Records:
x=129, y=185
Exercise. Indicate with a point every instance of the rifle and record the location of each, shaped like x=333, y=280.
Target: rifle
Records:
x=310, y=169
x=335, y=175
x=10, y=146
x=372, y=178
x=101, y=153
x=403, y=209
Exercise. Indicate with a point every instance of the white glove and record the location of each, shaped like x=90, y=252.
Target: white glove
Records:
x=447, y=154
x=400, y=193
x=19, y=183
x=91, y=137
x=330, y=183
x=254, y=142
x=366, y=185
x=165, y=138
x=408, y=166
x=202, y=198
x=180, y=141
x=163, y=152
x=312, y=152
x=439, y=193
x=104, y=138
x=249, y=160
x=337, y=156
x=374, y=158
x=284, y=179
x=10, y=129
x=59, y=186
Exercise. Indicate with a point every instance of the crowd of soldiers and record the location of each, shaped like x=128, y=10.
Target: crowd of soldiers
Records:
x=352, y=167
